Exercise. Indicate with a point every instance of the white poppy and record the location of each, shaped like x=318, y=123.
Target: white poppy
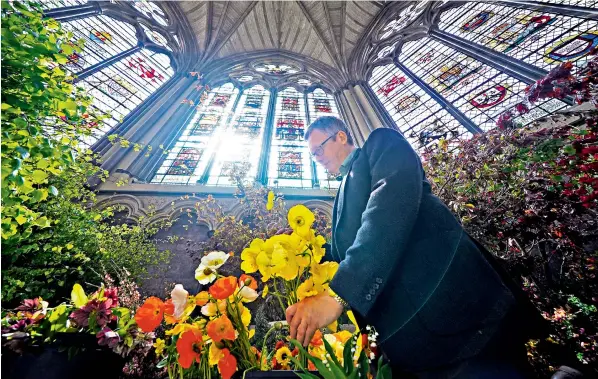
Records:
x=248, y=294
x=205, y=274
x=214, y=259
x=179, y=299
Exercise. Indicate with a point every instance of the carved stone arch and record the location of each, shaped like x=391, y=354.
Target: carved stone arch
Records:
x=170, y=213
x=131, y=203
x=282, y=86
x=324, y=206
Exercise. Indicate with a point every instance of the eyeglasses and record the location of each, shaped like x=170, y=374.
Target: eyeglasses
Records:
x=320, y=149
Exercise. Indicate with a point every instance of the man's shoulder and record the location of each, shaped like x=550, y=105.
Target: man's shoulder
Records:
x=383, y=136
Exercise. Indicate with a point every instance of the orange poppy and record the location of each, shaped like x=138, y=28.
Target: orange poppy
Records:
x=227, y=365
x=223, y=287
x=316, y=340
x=311, y=366
x=150, y=315
x=252, y=282
x=202, y=298
x=188, y=346
x=221, y=328
x=169, y=312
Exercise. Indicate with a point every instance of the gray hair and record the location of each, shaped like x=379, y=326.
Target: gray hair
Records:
x=329, y=125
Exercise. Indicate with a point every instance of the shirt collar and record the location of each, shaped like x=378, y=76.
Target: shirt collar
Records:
x=346, y=166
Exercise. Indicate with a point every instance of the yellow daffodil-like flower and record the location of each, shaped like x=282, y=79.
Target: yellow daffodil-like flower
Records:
x=249, y=255
x=205, y=274
x=283, y=356
x=284, y=263
x=159, y=345
x=265, y=291
x=337, y=346
x=300, y=219
x=270, y=203
x=306, y=289
x=353, y=321
x=214, y=354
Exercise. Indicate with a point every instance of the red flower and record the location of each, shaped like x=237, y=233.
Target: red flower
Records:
x=223, y=287
x=227, y=365
x=189, y=347
x=279, y=344
x=150, y=315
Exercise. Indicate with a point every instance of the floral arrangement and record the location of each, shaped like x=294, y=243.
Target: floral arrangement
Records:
x=100, y=314
x=292, y=260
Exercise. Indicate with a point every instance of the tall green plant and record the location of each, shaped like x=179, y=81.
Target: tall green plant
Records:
x=51, y=235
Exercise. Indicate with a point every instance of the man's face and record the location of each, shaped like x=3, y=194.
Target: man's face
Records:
x=330, y=155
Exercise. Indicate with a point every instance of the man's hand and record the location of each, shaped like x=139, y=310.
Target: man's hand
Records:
x=310, y=314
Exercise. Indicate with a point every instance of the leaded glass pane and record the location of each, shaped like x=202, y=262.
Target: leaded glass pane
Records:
x=241, y=148
x=322, y=104
x=420, y=118
x=289, y=163
x=542, y=39
x=481, y=92
x=188, y=158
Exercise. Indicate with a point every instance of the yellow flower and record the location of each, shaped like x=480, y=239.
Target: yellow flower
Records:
x=343, y=336
x=209, y=310
x=284, y=263
x=265, y=291
x=180, y=329
x=270, y=203
x=159, y=345
x=264, y=263
x=283, y=356
x=316, y=247
x=214, y=354
x=334, y=326
x=323, y=273
x=245, y=315
x=337, y=346
x=353, y=321
x=300, y=219
x=249, y=255
x=306, y=289
x=251, y=333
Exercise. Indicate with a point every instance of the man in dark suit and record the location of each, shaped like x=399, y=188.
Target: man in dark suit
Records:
x=407, y=267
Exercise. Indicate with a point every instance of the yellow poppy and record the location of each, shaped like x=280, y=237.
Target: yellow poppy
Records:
x=264, y=263
x=306, y=289
x=265, y=291
x=249, y=255
x=284, y=263
x=300, y=219
x=214, y=354
x=270, y=203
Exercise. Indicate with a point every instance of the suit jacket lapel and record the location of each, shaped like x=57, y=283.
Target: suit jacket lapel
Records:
x=338, y=212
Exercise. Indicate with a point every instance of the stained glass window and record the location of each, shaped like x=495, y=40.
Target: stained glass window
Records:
x=188, y=158
x=419, y=117
x=243, y=142
x=539, y=38
x=322, y=104
x=481, y=92
x=289, y=163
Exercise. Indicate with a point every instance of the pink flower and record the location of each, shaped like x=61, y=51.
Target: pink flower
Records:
x=99, y=309
x=107, y=337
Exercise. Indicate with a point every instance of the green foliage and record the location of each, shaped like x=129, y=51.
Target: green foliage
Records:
x=51, y=235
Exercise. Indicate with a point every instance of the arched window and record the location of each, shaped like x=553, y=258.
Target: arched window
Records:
x=188, y=159
x=289, y=163
x=120, y=87
x=243, y=143
x=481, y=92
x=540, y=38
x=322, y=104
x=419, y=117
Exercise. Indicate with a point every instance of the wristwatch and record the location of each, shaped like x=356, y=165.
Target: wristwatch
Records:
x=341, y=301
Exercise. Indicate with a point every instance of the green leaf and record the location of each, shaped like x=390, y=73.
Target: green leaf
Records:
x=24, y=152
x=348, y=356
x=53, y=190
x=42, y=222
x=5, y=106
x=569, y=150
x=384, y=371
x=39, y=195
x=78, y=296
x=162, y=363
x=58, y=318
x=39, y=176
x=21, y=219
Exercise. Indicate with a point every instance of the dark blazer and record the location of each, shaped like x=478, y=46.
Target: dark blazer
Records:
x=406, y=266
